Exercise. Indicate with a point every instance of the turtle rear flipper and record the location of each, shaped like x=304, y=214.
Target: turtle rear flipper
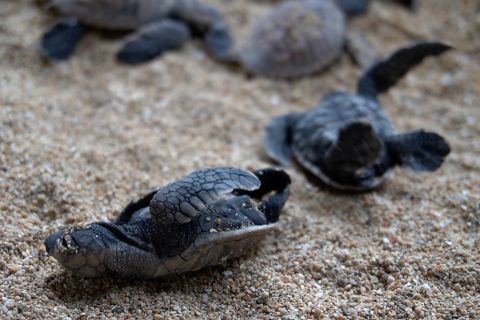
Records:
x=357, y=147
x=60, y=41
x=152, y=40
x=279, y=137
x=386, y=73
x=418, y=150
x=272, y=205
x=272, y=180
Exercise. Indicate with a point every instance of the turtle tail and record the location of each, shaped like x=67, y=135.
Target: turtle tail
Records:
x=386, y=73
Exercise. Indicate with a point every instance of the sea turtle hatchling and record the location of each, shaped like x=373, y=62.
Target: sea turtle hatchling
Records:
x=203, y=219
x=300, y=37
x=296, y=38
x=157, y=25
x=348, y=141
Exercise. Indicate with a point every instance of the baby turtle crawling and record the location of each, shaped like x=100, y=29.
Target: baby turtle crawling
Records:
x=203, y=219
x=158, y=25
x=348, y=141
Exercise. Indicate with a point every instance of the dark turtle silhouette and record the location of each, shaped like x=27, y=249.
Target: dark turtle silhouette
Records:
x=200, y=220
x=348, y=141
x=158, y=25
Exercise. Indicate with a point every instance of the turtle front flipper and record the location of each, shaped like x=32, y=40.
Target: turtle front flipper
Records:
x=180, y=201
x=60, y=41
x=152, y=40
x=279, y=138
x=386, y=73
x=418, y=150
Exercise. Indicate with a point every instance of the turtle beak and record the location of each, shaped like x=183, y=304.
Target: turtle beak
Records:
x=52, y=243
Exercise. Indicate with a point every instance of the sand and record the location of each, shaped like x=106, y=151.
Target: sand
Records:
x=80, y=139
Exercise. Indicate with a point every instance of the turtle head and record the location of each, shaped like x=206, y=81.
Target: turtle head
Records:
x=103, y=249
x=80, y=249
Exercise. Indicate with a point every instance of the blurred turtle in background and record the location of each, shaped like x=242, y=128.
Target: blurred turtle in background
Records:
x=348, y=141
x=156, y=26
x=301, y=37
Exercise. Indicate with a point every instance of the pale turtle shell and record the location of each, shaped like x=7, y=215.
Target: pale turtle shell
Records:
x=296, y=38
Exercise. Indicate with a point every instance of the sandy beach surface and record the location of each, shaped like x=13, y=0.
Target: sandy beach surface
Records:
x=80, y=139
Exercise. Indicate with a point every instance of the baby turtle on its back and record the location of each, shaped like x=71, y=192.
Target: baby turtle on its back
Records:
x=158, y=25
x=203, y=219
x=348, y=141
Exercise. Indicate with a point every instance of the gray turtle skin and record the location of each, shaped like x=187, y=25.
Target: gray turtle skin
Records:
x=157, y=25
x=201, y=220
x=298, y=37
x=348, y=141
